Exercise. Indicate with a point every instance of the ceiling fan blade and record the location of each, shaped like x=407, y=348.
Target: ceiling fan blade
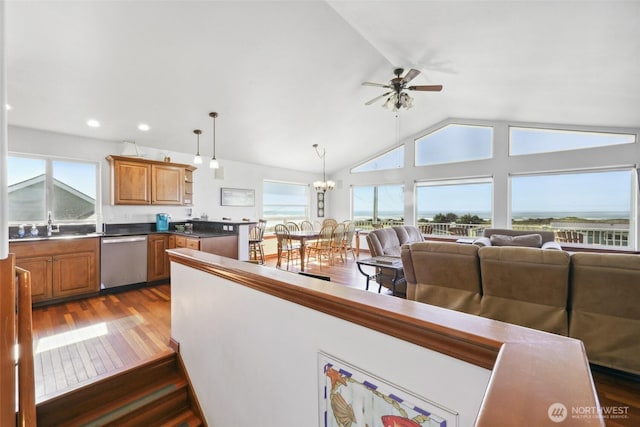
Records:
x=427, y=88
x=377, y=98
x=410, y=75
x=375, y=84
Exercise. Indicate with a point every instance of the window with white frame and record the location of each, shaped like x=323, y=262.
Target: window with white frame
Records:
x=585, y=207
x=523, y=140
x=454, y=143
x=378, y=205
x=38, y=185
x=454, y=207
x=284, y=201
x=393, y=159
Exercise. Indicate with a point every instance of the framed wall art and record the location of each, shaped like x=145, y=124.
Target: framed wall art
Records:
x=320, y=204
x=352, y=397
x=237, y=197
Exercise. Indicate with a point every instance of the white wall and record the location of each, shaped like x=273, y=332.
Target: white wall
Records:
x=499, y=168
x=253, y=357
x=206, y=187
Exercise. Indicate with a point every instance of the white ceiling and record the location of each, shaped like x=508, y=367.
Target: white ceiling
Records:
x=285, y=75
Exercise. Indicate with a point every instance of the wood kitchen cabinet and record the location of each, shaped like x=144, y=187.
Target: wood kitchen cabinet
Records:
x=219, y=245
x=60, y=268
x=158, y=260
x=142, y=182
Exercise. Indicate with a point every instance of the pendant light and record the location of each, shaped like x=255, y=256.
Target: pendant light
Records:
x=197, y=159
x=213, y=163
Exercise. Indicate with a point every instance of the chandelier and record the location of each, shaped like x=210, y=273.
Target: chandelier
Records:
x=323, y=185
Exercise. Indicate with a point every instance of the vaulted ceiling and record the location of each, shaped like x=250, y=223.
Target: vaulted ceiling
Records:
x=284, y=75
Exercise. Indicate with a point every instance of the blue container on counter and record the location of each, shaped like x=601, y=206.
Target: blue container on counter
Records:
x=162, y=221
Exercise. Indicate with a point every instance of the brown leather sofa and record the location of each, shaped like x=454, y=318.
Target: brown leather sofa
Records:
x=588, y=296
x=388, y=242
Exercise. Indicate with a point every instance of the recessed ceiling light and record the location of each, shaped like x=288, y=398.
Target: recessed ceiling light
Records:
x=143, y=127
x=93, y=123
x=8, y=107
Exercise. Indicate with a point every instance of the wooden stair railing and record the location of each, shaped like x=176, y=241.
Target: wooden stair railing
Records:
x=15, y=324
x=7, y=341
x=26, y=378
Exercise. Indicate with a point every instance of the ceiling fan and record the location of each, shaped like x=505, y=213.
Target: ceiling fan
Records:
x=397, y=96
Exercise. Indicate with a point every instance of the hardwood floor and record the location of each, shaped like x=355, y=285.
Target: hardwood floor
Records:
x=77, y=342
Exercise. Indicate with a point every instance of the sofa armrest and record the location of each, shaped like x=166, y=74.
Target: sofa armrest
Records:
x=551, y=245
x=482, y=241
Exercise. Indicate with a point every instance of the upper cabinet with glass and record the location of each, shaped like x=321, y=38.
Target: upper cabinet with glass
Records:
x=455, y=143
x=536, y=140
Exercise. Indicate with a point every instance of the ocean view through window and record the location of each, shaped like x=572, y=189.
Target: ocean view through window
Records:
x=378, y=206
x=594, y=207
x=284, y=201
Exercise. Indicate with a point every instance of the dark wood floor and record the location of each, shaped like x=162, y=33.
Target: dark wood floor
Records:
x=80, y=341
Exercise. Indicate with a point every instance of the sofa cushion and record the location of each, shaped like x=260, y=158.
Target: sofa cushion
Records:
x=443, y=274
x=525, y=286
x=547, y=236
x=605, y=292
x=526, y=240
x=408, y=234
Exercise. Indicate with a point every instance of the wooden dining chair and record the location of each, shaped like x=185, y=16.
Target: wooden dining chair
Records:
x=347, y=245
x=256, y=235
x=292, y=226
x=285, y=245
x=322, y=245
x=337, y=242
x=306, y=226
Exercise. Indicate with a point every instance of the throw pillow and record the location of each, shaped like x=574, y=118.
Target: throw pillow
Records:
x=527, y=240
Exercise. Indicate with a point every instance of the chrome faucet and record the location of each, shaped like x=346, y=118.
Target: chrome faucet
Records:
x=50, y=227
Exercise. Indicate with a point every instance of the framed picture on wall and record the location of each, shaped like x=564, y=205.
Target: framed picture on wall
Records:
x=320, y=205
x=237, y=197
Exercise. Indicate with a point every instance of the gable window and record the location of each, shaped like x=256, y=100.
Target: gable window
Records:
x=591, y=208
x=524, y=141
x=66, y=188
x=284, y=201
x=393, y=159
x=454, y=207
x=378, y=206
x=454, y=143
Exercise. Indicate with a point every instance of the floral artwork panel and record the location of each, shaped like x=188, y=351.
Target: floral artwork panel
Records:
x=350, y=397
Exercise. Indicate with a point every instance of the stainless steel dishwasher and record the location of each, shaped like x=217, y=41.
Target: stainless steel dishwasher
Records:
x=123, y=261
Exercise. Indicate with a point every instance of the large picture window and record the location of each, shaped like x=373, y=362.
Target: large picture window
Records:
x=66, y=188
x=459, y=208
x=393, y=159
x=455, y=143
x=582, y=207
x=533, y=140
x=378, y=206
x=284, y=201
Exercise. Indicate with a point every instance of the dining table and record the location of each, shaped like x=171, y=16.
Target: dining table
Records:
x=303, y=236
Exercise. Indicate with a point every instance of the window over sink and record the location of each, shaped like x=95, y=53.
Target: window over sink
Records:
x=66, y=187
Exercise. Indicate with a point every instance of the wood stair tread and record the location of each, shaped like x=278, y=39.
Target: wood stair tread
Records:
x=186, y=418
x=142, y=396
